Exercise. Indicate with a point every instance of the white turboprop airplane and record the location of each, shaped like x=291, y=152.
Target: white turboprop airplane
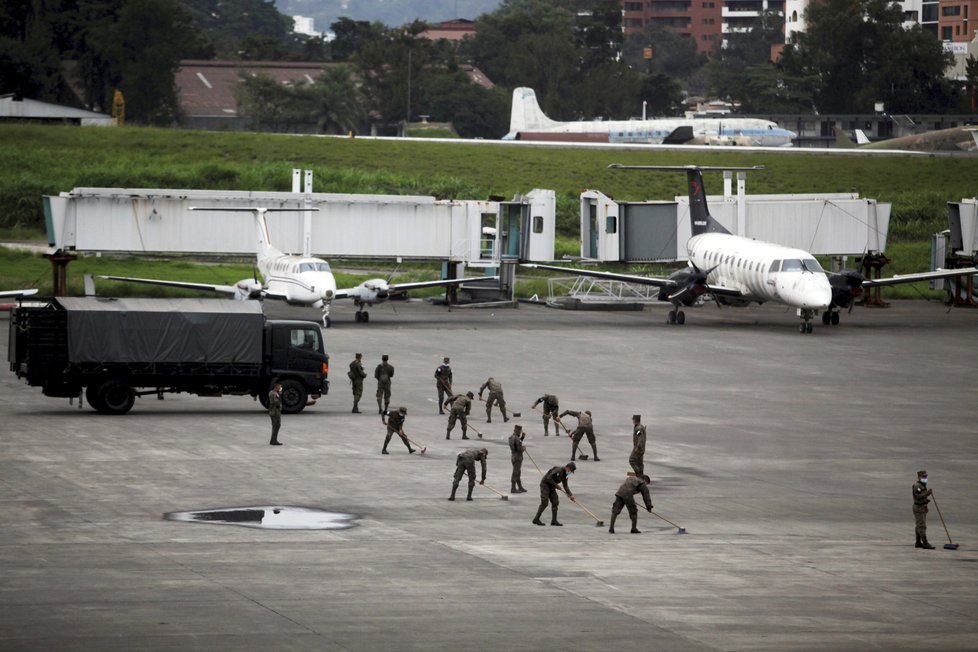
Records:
x=737, y=271
x=299, y=280
x=13, y=294
x=528, y=122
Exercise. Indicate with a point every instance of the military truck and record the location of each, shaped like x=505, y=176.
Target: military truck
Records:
x=115, y=350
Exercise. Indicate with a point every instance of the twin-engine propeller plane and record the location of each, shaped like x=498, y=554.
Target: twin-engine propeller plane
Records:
x=298, y=280
x=737, y=271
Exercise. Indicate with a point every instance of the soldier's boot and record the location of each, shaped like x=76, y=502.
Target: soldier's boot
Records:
x=448, y=434
x=536, y=519
x=454, y=488
x=469, y=496
x=918, y=544
x=520, y=484
x=380, y=410
x=488, y=415
x=356, y=407
x=546, y=429
x=611, y=526
x=387, y=405
x=926, y=546
x=594, y=449
x=553, y=517
x=464, y=436
x=635, y=529
x=574, y=451
x=505, y=418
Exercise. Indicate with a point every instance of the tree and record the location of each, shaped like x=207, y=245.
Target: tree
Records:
x=349, y=34
x=340, y=106
x=673, y=54
x=530, y=43
x=857, y=52
x=971, y=80
x=246, y=29
x=662, y=94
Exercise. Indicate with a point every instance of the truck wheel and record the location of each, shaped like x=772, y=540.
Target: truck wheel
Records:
x=293, y=396
x=115, y=397
x=91, y=395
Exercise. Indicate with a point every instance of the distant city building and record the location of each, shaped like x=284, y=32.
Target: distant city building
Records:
x=957, y=22
x=304, y=25
x=450, y=30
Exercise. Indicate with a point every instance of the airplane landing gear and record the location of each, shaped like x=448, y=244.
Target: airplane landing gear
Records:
x=677, y=317
x=361, y=316
x=830, y=318
x=807, y=315
x=327, y=322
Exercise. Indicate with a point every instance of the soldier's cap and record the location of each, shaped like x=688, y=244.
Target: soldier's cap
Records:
x=470, y=394
x=517, y=429
x=921, y=474
x=384, y=357
x=484, y=451
x=571, y=466
x=587, y=412
x=446, y=360
x=402, y=410
x=359, y=355
x=636, y=417
x=646, y=479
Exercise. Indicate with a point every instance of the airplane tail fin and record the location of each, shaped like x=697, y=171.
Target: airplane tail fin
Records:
x=526, y=114
x=861, y=138
x=699, y=212
x=265, y=249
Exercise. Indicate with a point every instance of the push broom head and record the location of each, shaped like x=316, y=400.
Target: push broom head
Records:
x=951, y=546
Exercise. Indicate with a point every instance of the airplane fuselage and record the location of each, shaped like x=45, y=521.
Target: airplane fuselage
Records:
x=708, y=131
x=762, y=271
x=298, y=279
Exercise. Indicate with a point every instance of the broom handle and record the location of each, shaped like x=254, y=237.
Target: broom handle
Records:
x=664, y=519
x=934, y=498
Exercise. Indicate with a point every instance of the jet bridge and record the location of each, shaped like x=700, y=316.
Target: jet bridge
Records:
x=478, y=233
x=657, y=231
x=957, y=247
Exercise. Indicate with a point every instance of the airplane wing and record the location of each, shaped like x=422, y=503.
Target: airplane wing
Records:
x=610, y=276
x=921, y=276
x=226, y=289
x=346, y=293
x=17, y=293
x=641, y=280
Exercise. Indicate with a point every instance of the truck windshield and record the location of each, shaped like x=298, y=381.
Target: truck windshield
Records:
x=305, y=338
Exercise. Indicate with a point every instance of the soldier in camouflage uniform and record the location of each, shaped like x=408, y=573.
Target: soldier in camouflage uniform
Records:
x=495, y=396
x=637, y=458
x=443, y=383
x=465, y=463
x=356, y=374
x=625, y=497
x=395, y=423
x=920, y=500
x=516, y=449
x=548, y=491
x=550, y=409
x=383, y=373
x=461, y=406
x=275, y=411
x=584, y=427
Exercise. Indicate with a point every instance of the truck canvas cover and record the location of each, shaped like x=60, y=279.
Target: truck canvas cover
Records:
x=205, y=331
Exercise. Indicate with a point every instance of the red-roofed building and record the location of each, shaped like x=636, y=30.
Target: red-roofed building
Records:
x=450, y=30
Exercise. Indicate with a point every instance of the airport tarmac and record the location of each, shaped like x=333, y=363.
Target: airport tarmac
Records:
x=787, y=458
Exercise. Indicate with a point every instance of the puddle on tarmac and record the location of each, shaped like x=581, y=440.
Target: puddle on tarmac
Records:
x=269, y=517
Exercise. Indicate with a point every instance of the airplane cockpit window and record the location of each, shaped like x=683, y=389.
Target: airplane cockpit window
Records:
x=811, y=265
x=307, y=267
x=775, y=266
x=322, y=266
x=792, y=265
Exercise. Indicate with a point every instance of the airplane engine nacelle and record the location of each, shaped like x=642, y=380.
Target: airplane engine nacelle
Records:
x=247, y=288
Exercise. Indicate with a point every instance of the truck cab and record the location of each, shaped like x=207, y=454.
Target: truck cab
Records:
x=296, y=357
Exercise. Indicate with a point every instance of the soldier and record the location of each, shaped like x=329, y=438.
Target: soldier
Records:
x=548, y=491
x=461, y=406
x=637, y=458
x=443, y=383
x=465, y=463
x=516, y=449
x=383, y=373
x=395, y=423
x=356, y=374
x=495, y=396
x=920, y=500
x=275, y=411
x=625, y=497
x=584, y=427
x=550, y=409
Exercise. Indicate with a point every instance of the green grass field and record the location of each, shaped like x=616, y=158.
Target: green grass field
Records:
x=37, y=160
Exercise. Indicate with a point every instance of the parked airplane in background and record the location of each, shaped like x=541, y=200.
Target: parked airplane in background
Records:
x=955, y=139
x=737, y=271
x=528, y=122
x=300, y=280
x=13, y=294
